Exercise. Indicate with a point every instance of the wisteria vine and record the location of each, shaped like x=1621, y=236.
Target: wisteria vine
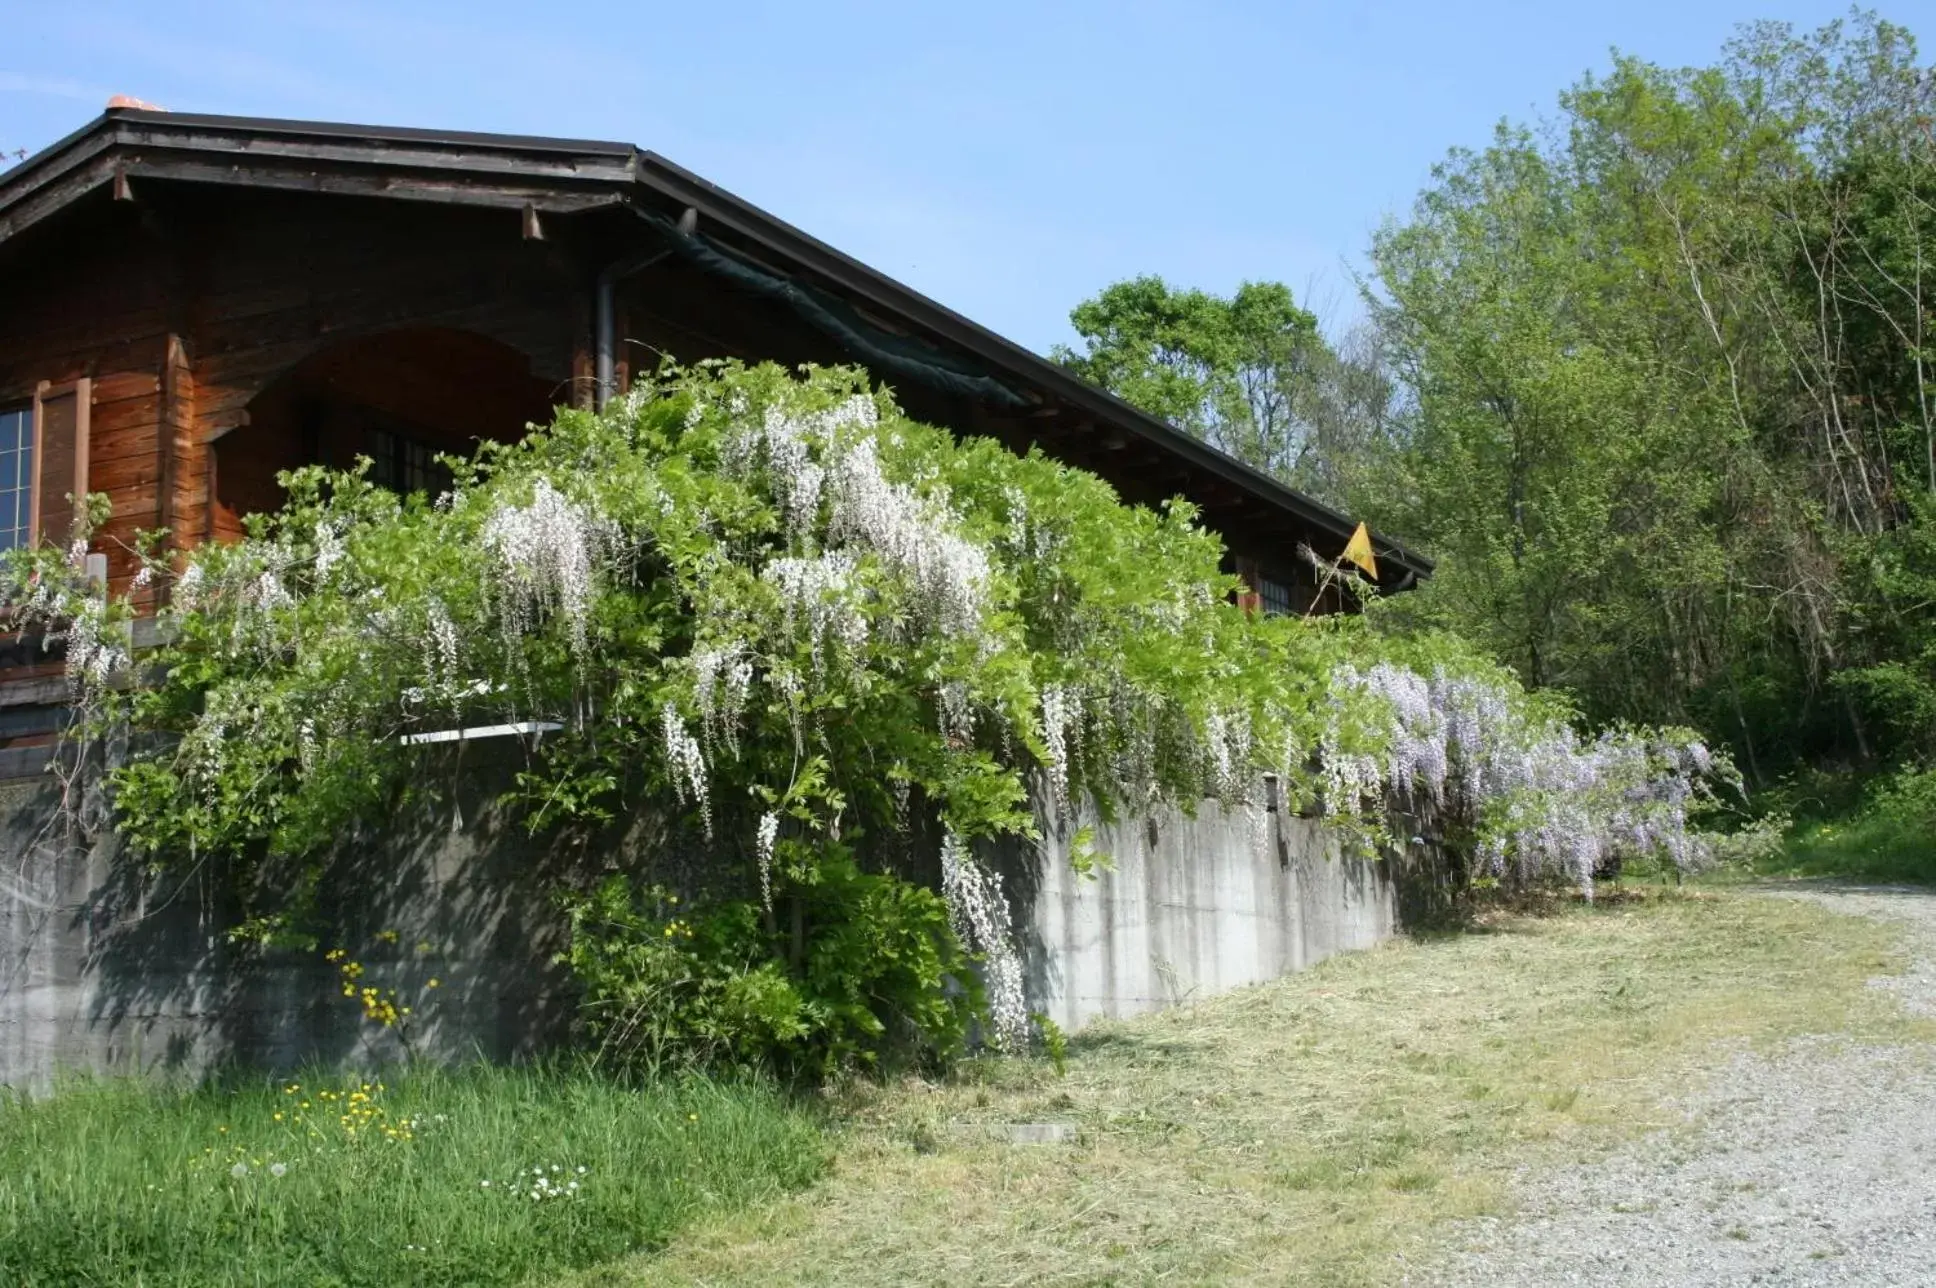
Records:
x=771, y=604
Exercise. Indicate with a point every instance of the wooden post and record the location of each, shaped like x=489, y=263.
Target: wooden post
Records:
x=174, y=374
x=622, y=358
x=60, y=457
x=171, y=434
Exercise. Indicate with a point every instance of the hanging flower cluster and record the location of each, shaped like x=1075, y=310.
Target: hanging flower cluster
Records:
x=545, y=552
x=686, y=763
x=981, y=920
x=830, y=459
x=1548, y=802
x=721, y=679
x=821, y=599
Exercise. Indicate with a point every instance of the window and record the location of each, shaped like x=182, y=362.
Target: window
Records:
x=1276, y=597
x=1261, y=594
x=16, y=477
x=404, y=464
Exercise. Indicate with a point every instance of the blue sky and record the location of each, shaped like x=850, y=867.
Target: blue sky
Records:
x=1005, y=158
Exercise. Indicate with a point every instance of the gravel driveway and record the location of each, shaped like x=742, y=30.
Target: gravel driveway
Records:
x=1815, y=1166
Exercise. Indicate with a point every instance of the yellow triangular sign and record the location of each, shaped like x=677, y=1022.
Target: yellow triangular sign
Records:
x=1358, y=551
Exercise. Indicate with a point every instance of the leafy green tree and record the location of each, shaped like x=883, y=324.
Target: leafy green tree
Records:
x=1666, y=370
x=1249, y=373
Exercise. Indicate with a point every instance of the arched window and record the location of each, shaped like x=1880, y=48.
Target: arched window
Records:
x=401, y=398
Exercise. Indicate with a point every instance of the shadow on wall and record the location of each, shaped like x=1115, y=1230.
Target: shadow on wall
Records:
x=110, y=967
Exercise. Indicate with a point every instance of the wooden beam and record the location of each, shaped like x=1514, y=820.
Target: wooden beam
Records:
x=456, y=189
x=25, y=762
x=157, y=134
x=25, y=721
x=53, y=195
x=41, y=690
x=174, y=375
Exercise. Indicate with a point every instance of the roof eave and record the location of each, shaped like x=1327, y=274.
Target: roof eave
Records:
x=558, y=175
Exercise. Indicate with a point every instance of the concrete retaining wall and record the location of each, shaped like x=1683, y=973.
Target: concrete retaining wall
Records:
x=105, y=970
x=102, y=970
x=1189, y=908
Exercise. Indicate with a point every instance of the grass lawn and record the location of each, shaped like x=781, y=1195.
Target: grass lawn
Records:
x=1317, y=1130
x=422, y=1179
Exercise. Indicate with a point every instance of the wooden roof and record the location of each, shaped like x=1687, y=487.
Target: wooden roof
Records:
x=573, y=178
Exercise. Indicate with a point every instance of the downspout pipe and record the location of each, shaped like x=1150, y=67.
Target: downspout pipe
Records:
x=606, y=320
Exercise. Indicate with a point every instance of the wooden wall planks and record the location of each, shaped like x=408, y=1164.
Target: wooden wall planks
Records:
x=184, y=305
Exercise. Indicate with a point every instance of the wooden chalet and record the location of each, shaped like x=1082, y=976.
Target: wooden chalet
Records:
x=189, y=304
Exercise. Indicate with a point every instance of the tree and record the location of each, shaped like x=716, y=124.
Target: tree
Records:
x=1245, y=373
x=1667, y=368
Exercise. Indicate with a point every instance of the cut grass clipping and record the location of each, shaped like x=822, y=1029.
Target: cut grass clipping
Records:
x=1322, y=1129
x=485, y=1176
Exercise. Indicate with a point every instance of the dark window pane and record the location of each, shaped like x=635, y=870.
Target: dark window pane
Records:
x=16, y=476
x=1276, y=597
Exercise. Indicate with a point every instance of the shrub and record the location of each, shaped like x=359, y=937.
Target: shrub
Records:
x=872, y=966
x=1890, y=836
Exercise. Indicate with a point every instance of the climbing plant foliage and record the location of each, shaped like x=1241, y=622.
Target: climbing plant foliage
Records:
x=812, y=632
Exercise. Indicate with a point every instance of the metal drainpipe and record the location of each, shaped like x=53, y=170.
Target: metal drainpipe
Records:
x=606, y=322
